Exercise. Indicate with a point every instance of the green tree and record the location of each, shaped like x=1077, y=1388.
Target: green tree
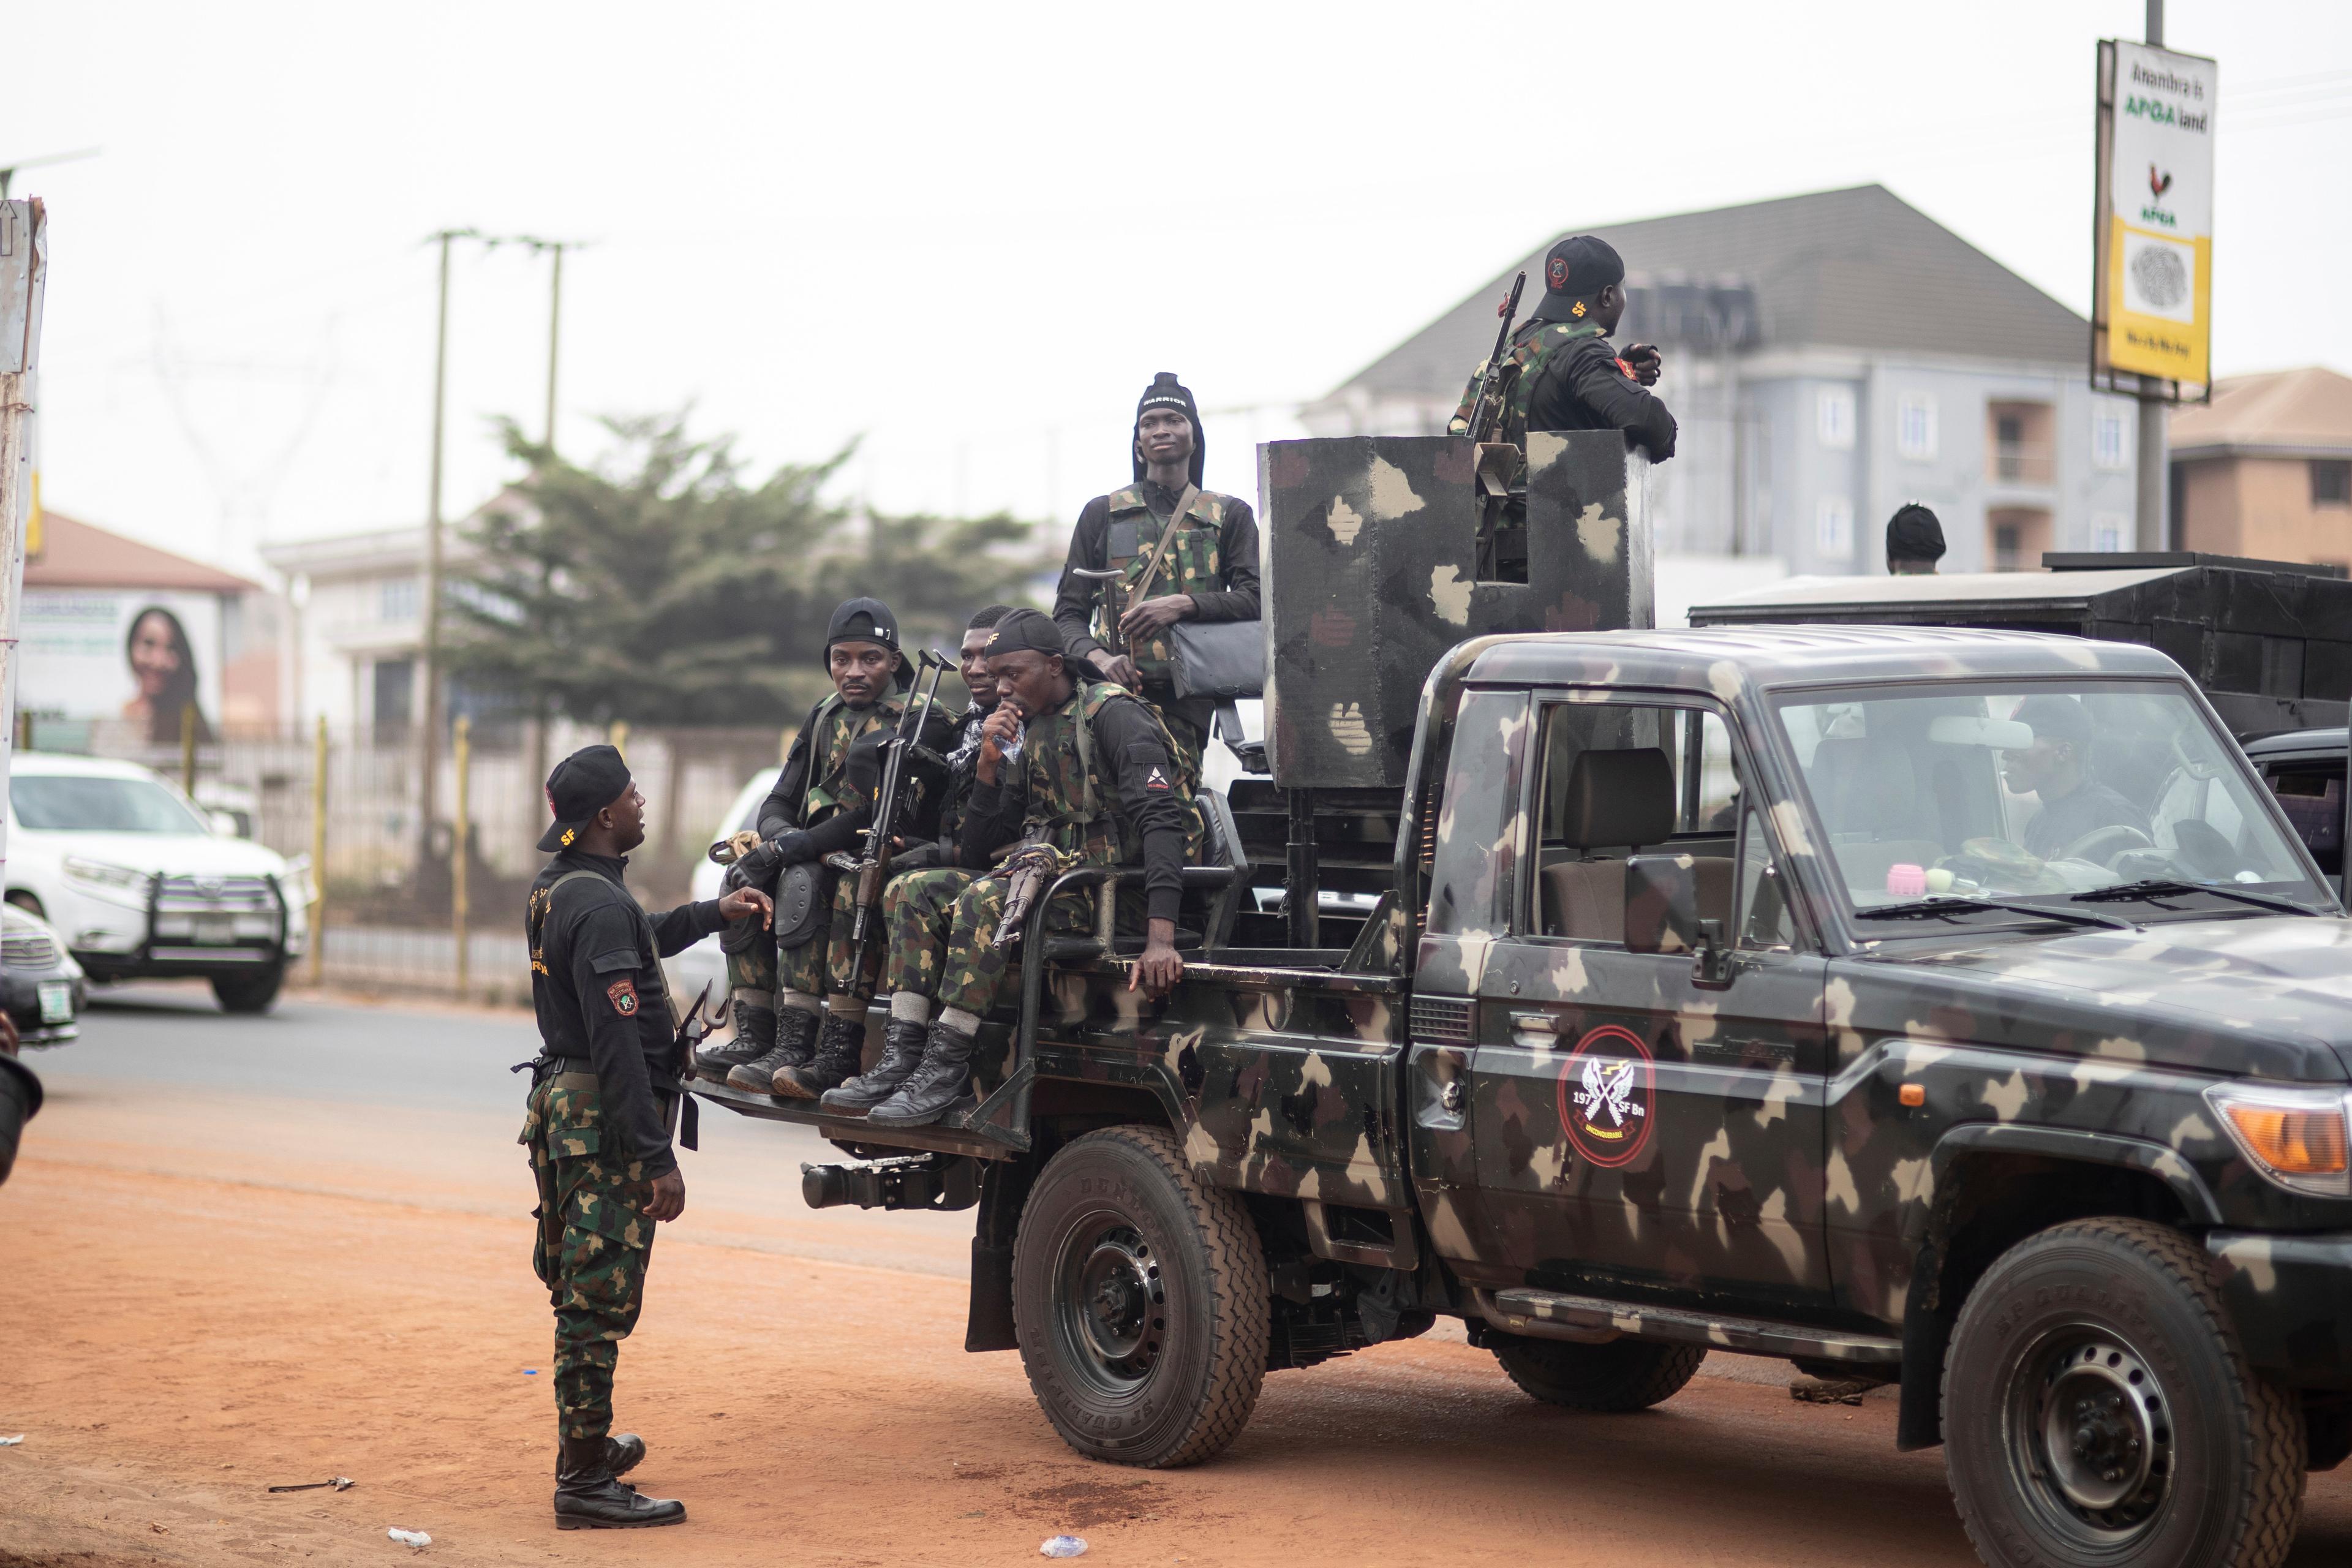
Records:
x=659, y=589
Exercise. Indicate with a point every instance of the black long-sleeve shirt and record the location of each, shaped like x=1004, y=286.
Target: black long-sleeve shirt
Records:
x=597, y=984
x=1238, y=548
x=1582, y=387
x=781, y=812
x=1129, y=745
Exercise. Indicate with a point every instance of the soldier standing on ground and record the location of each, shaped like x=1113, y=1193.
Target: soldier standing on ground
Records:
x=800, y=1014
x=1914, y=541
x=1208, y=570
x=597, y=1124
x=1564, y=375
x=1095, y=780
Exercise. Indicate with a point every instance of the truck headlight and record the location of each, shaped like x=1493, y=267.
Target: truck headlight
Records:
x=2299, y=1138
x=120, y=883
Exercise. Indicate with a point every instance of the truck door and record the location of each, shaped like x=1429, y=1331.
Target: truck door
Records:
x=1639, y=1127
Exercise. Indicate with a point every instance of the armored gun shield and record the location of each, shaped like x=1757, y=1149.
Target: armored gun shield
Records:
x=1373, y=562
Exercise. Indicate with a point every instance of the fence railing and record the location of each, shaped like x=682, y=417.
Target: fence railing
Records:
x=386, y=875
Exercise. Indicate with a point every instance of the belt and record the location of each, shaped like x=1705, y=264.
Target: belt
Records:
x=575, y=1080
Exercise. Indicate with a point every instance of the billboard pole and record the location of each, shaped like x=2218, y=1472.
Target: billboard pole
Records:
x=2151, y=518
x=24, y=268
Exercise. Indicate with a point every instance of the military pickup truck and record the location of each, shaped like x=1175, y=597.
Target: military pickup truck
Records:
x=1949, y=1008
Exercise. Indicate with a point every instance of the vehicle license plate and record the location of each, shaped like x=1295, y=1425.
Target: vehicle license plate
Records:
x=218, y=929
x=57, y=1001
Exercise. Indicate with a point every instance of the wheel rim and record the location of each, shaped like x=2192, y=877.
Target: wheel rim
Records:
x=1110, y=1309
x=2089, y=1434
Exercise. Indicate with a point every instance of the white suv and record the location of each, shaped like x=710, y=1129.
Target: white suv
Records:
x=704, y=963
x=135, y=878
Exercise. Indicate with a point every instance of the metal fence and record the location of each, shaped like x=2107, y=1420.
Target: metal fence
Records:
x=388, y=880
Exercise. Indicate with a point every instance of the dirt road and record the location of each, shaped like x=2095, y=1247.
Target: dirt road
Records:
x=214, y=1288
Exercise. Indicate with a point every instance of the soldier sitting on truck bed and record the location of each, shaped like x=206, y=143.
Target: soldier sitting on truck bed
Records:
x=1092, y=779
x=926, y=878
x=781, y=993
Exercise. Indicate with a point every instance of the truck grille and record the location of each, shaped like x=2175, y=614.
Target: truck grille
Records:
x=1444, y=1019
x=216, y=895
x=28, y=950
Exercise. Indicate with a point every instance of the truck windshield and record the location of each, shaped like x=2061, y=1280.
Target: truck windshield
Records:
x=60, y=803
x=2038, y=791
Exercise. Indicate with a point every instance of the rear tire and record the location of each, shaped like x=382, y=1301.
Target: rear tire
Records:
x=1140, y=1297
x=1621, y=1375
x=2097, y=1409
x=250, y=993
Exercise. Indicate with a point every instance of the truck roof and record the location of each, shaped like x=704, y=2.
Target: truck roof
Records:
x=1719, y=659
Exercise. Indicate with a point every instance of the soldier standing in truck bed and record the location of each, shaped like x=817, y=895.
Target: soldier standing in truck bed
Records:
x=598, y=1118
x=1564, y=373
x=1207, y=571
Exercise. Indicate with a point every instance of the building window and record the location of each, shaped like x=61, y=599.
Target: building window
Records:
x=2331, y=482
x=1915, y=426
x=2107, y=449
x=397, y=599
x=1836, y=417
x=2016, y=537
x=2110, y=531
x=1834, y=527
x=2022, y=451
x=395, y=690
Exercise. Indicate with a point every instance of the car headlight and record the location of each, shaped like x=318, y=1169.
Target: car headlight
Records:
x=2299, y=1138
x=100, y=877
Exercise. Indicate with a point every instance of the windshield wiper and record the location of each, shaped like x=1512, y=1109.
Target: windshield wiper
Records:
x=2158, y=887
x=1930, y=909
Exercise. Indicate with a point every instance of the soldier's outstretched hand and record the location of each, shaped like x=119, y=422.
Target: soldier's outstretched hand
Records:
x=745, y=902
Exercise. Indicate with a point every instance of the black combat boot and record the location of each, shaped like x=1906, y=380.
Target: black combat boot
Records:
x=588, y=1497
x=902, y=1051
x=621, y=1453
x=838, y=1051
x=934, y=1086
x=794, y=1028
x=755, y=1037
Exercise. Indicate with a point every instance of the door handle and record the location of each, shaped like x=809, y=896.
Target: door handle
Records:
x=1536, y=1023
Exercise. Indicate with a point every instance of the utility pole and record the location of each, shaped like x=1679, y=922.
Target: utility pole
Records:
x=24, y=267
x=429, y=663
x=554, y=336
x=2151, y=514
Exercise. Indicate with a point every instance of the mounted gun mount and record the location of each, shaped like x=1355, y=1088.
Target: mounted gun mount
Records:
x=1372, y=561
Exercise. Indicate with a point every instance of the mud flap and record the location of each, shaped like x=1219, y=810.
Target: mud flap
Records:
x=1003, y=1188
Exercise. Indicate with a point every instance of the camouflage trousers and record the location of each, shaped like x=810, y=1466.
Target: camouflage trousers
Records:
x=943, y=933
x=819, y=966
x=593, y=1246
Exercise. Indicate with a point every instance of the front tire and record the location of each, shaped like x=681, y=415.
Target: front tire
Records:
x=1139, y=1299
x=2097, y=1409
x=1621, y=1375
x=250, y=993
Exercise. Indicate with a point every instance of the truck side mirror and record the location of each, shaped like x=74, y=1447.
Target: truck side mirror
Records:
x=1662, y=914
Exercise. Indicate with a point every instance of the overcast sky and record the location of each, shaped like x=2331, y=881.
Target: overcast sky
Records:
x=969, y=235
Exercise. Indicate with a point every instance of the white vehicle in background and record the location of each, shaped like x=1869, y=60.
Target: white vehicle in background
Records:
x=704, y=962
x=140, y=883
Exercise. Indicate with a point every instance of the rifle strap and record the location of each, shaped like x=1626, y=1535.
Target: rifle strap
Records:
x=1142, y=589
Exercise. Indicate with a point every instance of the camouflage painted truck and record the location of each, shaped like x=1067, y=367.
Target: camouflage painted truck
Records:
x=1712, y=1000
x=1629, y=995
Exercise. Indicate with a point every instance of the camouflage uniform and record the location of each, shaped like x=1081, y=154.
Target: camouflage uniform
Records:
x=593, y=1246
x=1067, y=795
x=820, y=964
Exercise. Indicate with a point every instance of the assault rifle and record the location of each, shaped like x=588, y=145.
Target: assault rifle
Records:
x=1487, y=407
x=1115, y=595
x=872, y=866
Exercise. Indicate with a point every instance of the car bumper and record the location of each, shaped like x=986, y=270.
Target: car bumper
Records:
x=2290, y=1299
x=110, y=939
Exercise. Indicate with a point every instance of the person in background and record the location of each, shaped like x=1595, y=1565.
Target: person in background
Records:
x=163, y=669
x=2057, y=771
x=1915, y=541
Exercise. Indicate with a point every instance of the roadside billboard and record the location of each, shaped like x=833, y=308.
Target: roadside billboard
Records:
x=127, y=657
x=2152, y=282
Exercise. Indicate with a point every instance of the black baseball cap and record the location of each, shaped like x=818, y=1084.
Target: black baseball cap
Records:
x=582, y=785
x=1576, y=269
x=1029, y=630
x=862, y=620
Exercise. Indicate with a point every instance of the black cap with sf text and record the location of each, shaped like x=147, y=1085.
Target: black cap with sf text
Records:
x=582, y=785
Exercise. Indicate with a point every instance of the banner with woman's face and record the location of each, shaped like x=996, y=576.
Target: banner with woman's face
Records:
x=133, y=655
